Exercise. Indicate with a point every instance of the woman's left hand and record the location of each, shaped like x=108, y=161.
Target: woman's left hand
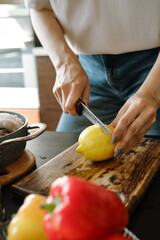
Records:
x=133, y=121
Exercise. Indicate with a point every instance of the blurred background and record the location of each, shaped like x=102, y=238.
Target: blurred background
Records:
x=26, y=73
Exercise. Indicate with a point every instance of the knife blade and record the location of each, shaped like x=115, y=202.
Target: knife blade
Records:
x=85, y=111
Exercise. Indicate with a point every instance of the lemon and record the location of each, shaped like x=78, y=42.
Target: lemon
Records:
x=96, y=145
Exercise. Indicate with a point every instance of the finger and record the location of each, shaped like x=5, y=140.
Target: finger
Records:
x=135, y=132
x=76, y=92
x=123, y=123
x=121, y=112
x=58, y=95
x=138, y=118
x=64, y=99
x=69, y=105
x=72, y=98
x=123, y=146
x=67, y=98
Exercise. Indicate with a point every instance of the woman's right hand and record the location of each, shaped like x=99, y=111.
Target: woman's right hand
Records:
x=71, y=80
x=71, y=84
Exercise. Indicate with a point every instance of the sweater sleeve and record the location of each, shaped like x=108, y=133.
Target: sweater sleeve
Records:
x=38, y=4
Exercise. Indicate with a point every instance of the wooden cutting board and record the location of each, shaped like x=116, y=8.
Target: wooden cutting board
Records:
x=129, y=176
x=17, y=169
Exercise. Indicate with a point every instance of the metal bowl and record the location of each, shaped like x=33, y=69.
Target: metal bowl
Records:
x=13, y=144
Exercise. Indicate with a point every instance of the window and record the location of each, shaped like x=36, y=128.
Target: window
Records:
x=18, y=77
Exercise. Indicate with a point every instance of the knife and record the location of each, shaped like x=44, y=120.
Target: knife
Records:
x=83, y=110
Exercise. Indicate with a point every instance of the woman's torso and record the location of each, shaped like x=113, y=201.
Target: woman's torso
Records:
x=109, y=26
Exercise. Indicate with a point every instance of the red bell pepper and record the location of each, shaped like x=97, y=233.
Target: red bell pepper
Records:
x=116, y=237
x=78, y=209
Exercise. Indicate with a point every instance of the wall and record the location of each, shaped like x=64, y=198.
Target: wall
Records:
x=50, y=110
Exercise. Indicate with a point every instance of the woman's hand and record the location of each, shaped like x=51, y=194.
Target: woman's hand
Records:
x=71, y=80
x=71, y=84
x=138, y=114
x=133, y=121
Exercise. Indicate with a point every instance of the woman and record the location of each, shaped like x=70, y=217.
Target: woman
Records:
x=107, y=53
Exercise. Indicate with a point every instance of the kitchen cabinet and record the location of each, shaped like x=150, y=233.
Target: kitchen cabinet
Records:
x=50, y=110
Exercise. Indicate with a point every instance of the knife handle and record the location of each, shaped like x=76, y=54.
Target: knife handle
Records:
x=79, y=106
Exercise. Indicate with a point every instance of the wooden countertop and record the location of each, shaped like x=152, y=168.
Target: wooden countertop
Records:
x=144, y=222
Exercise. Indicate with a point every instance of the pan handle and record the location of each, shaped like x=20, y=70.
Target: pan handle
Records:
x=42, y=127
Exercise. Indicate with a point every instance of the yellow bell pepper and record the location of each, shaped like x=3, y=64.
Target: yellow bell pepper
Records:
x=27, y=223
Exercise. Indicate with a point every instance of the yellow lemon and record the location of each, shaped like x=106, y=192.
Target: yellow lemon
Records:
x=96, y=145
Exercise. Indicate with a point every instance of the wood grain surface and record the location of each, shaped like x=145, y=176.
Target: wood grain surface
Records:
x=128, y=176
x=17, y=169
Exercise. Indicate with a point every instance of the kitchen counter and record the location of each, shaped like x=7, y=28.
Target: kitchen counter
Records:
x=144, y=222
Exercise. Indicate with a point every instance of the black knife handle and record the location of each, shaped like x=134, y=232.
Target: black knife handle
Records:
x=79, y=106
